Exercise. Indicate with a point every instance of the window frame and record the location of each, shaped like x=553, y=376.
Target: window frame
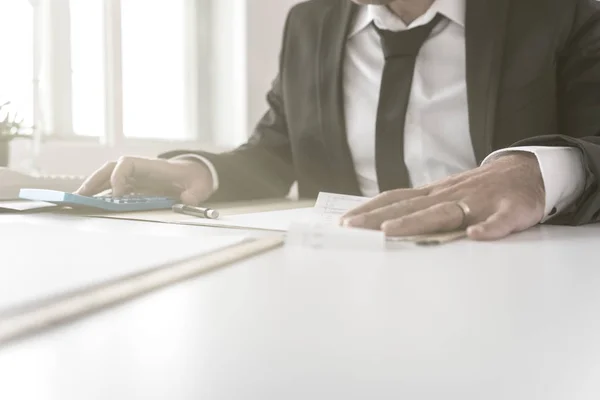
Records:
x=230, y=95
x=54, y=122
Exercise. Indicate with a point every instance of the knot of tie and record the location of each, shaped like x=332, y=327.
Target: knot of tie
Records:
x=408, y=42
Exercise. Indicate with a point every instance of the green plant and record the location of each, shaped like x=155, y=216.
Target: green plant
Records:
x=10, y=126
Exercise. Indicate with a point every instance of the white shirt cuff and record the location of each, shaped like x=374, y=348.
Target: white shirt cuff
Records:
x=563, y=173
x=209, y=165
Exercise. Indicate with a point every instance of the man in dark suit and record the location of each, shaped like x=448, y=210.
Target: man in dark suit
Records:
x=477, y=114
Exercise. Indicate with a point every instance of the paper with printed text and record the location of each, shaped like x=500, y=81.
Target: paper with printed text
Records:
x=318, y=227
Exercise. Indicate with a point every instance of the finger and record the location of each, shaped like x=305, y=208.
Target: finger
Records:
x=122, y=176
x=98, y=181
x=385, y=199
x=497, y=226
x=374, y=219
x=151, y=190
x=131, y=173
x=103, y=190
x=443, y=217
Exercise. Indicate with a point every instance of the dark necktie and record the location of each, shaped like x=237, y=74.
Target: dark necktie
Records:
x=400, y=50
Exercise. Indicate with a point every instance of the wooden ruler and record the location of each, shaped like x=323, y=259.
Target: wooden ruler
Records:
x=34, y=318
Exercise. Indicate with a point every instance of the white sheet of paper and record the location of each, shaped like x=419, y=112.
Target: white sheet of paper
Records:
x=271, y=220
x=318, y=226
x=315, y=227
x=329, y=207
x=327, y=210
x=327, y=236
x=24, y=205
x=84, y=258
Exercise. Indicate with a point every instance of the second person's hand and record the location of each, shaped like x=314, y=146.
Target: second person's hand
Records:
x=189, y=180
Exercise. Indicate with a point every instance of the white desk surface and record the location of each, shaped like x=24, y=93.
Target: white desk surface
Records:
x=516, y=319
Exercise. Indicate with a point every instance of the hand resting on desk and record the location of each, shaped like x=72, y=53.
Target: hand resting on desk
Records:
x=490, y=202
x=191, y=181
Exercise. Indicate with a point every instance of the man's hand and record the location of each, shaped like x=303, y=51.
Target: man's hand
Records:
x=504, y=196
x=188, y=180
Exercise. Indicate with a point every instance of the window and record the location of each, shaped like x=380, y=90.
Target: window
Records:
x=102, y=78
x=87, y=66
x=107, y=69
x=154, y=69
x=16, y=70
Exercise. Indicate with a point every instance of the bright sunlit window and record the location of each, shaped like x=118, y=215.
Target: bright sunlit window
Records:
x=154, y=72
x=16, y=77
x=87, y=61
x=110, y=69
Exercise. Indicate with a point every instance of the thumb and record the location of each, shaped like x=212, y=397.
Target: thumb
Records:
x=98, y=181
x=195, y=194
x=121, y=175
x=497, y=226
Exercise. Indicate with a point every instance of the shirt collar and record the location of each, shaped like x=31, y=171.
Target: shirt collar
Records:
x=454, y=10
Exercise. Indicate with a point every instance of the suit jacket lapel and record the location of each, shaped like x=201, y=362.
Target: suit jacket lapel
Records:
x=332, y=43
x=485, y=30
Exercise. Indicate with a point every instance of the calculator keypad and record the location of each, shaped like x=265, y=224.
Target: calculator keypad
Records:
x=131, y=199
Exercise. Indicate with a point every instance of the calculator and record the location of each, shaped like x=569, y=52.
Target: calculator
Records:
x=106, y=203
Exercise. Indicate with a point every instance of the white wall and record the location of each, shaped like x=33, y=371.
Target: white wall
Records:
x=264, y=30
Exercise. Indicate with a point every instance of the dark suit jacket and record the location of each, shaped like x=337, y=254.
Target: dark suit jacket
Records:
x=533, y=78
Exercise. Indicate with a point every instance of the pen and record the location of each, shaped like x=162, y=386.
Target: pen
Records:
x=196, y=211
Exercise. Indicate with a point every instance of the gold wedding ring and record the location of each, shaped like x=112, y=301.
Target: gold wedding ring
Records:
x=466, y=214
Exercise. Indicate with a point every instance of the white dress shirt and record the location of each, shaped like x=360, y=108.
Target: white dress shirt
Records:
x=437, y=142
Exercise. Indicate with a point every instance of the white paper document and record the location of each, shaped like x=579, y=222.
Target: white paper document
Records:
x=328, y=209
x=318, y=227
x=322, y=230
x=24, y=206
x=327, y=236
x=271, y=220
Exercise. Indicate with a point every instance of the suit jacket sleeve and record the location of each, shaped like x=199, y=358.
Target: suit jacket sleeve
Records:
x=578, y=91
x=263, y=166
